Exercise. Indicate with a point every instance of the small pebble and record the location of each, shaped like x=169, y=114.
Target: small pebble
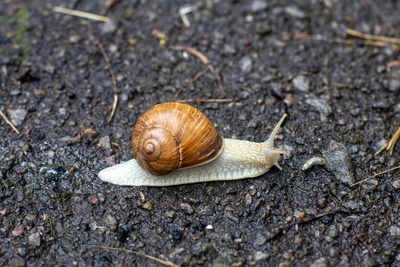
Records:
x=321, y=262
x=298, y=239
x=355, y=111
x=381, y=69
x=17, y=231
x=321, y=105
x=285, y=264
x=338, y=162
x=17, y=116
x=321, y=202
x=333, y=252
x=394, y=230
x=301, y=83
x=333, y=231
x=289, y=100
x=352, y=205
x=246, y=64
x=110, y=161
x=258, y=256
x=288, y=255
x=186, y=208
x=393, y=85
x=396, y=184
x=94, y=201
x=299, y=214
x=34, y=239
x=247, y=199
x=342, y=122
x=73, y=39
x=149, y=205
x=111, y=221
x=295, y=12
x=277, y=93
x=228, y=50
x=371, y=184
x=258, y=5
x=105, y=143
x=263, y=28
x=109, y=26
x=289, y=152
x=170, y=214
x=260, y=239
x=39, y=92
x=353, y=149
x=49, y=68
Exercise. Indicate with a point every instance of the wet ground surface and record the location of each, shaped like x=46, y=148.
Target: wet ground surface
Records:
x=341, y=95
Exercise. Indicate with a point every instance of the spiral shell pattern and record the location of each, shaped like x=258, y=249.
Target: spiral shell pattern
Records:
x=172, y=136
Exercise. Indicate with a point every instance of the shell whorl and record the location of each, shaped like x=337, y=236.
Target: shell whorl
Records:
x=151, y=154
x=171, y=136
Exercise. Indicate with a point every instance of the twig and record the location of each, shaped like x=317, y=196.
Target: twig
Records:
x=343, y=85
x=393, y=64
x=372, y=37
x=215, y=100
x=192, y=51
x=164, y=262
x=220, y=86
x=375, y=175
x=392, y=142
x=84, y=131
x=195, y=78
x=80, y=14
x=109, y=66
x=9, y=122
x=277, y=231
x=304, y=36
x=204, y=60
x=185, y=10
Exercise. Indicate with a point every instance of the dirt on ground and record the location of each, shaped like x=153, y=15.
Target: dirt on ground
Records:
x=324, y=63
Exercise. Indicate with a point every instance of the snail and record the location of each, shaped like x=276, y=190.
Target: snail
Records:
x=174, y=143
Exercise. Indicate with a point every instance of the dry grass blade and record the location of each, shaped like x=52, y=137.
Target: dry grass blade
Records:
x=304, y=36
x=215, y=100
x=192, y=51
x=372, y=37
x=80, y=14
x=110, y=69
x=390, y=145
x=274, y=233
x=393, y=141
x=185, y=10
x=163, y=262
x=195, y=78
x=204, y=60
x=375, y=175
x=9, y=122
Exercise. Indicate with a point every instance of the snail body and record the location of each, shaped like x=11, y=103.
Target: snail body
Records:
x=227, y=159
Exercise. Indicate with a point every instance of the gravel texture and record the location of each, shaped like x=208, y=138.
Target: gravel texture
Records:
x=273, y=57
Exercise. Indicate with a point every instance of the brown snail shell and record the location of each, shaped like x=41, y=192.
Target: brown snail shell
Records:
x=173, y=136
